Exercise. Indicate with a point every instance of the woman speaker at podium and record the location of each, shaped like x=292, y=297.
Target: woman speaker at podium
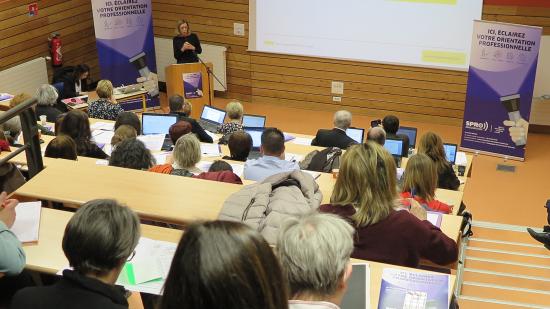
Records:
x=186, y=44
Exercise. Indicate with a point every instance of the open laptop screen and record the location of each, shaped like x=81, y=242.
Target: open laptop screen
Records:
x=157, y=123
x=253, y=121
x=394, y=146
x=356, y=134
x=411, y=133
x=213, y=114
x=256, y=134
x=450, y=152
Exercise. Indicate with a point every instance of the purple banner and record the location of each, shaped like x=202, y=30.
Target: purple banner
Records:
x=501, y=79
x=125, y=44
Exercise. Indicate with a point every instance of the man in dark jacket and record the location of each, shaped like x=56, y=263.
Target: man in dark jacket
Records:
x=183, y=108
x=390, y=124
x=337, y=136
x=543, y=237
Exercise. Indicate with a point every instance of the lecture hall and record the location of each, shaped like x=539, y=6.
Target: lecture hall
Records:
x=307, y=154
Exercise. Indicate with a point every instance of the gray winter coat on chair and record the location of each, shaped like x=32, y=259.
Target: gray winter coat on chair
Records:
x=265, y=205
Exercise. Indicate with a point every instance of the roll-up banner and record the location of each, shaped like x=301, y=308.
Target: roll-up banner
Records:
x=501, y=78
x=125, y=45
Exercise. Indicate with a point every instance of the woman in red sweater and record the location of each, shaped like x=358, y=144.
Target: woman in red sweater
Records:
x=365, y=193
x=420, y=182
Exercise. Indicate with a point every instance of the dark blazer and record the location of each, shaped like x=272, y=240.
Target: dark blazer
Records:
x=72, y=291
x=196, y=128
x=332, y=138
x=405, y=139
x=400, y=239
x=51, y=112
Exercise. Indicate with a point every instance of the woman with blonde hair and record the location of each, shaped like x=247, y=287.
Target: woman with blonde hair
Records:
x=106, y=106
x=365, y=194
x=235, y=112
x=420, y=182
x=123, y=133
x=186, y=44
x=186, y=155
x=431, y=145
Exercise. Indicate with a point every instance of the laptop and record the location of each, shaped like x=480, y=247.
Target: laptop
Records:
x=211, y=118
x=255, y=121
x=152, y=123
x=450, y=152
x=395, y=147
x=411, y=133
x=356, y=134
x=256, y=134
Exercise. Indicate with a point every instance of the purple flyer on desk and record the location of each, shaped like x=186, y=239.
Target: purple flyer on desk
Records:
x=413, y=290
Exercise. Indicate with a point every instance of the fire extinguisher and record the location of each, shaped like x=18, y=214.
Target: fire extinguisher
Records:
x=55, y=49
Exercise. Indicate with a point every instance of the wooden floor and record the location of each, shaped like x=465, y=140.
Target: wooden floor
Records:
x=504, y=266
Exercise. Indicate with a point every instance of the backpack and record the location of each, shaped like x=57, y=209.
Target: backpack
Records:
x=322, y=161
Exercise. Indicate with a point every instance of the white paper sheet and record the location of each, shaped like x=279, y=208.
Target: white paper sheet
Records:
x=293, y=157
x=102, y=137
x=27, y=222
x=105, y=126
x=302, y=141
x=461, y=158
x=210, y=150
x=161, y=157
x=153, y=142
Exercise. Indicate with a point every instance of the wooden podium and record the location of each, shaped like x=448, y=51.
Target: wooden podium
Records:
x=175, y=74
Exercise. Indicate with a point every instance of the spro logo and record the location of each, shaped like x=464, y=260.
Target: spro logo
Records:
x=478, y=125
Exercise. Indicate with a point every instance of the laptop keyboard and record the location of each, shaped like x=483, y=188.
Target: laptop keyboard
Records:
x=209, y=126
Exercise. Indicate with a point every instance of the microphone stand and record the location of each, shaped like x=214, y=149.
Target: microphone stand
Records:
x=209, y=73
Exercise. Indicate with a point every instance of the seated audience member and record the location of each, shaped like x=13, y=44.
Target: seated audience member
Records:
x=390, y=124
x=57, y=123
x=74, y=83
x=178, y=130
x=235, y=112
x=240, y=144
x=377, y=135
x=46, y=96
x=365, y=194
x=123, y=133
x=98, y=240
x=12, y=256
x=106, y=106
x=246, y=275
x=76, y=125
x=12, y=130
x=22, y=97
x=10, y=176
x=132, y=153
x=128, y=118
x=314, y=251
x=178, y=105
x=431, y=145
x=220, y=166
x=420, y=182
x=61, y=147
x=273, y=157
x=336, y=137
x=186, y=155
x=220, y=171
x=544, y=236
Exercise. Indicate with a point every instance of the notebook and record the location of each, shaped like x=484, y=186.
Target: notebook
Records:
x=450, y=152
x=254, y=121
x=356, y=134
x=154, y=124
x=211, y=118
x=411, y=133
